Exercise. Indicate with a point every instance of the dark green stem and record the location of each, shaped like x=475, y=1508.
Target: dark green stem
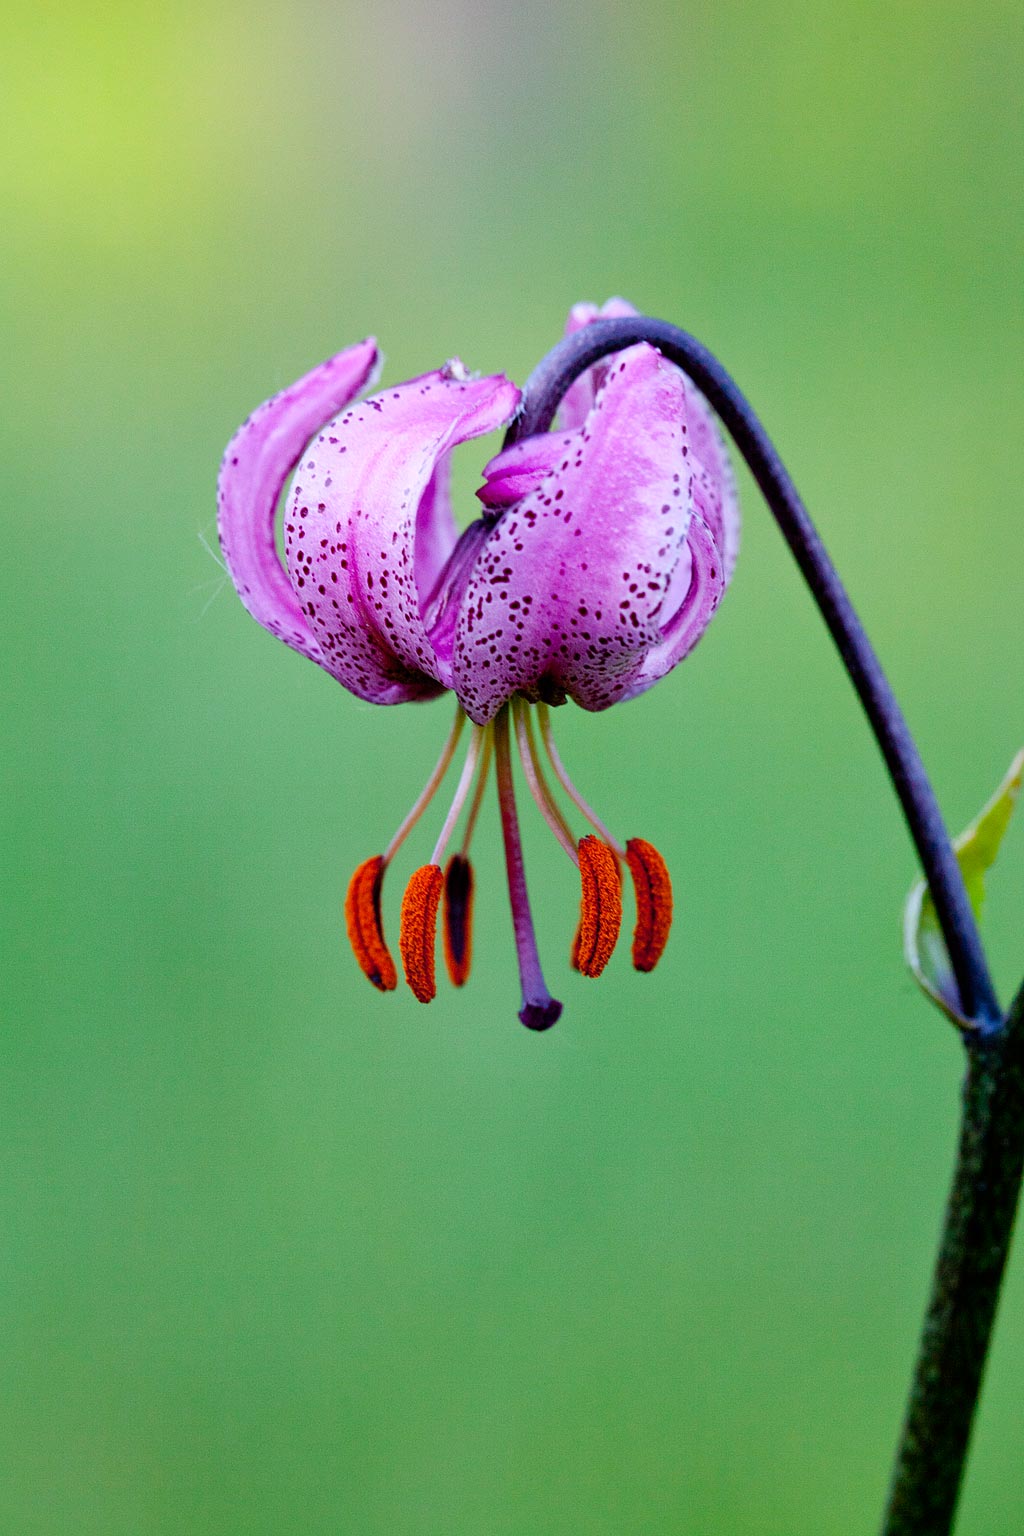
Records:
x=965, y=1291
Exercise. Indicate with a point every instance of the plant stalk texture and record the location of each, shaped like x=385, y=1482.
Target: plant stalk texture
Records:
x=973, y=1251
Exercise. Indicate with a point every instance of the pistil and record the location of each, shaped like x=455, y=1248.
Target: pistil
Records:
x=540, y=1010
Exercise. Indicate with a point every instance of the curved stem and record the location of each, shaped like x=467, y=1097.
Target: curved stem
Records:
x=545, y=388
x=968, y=1273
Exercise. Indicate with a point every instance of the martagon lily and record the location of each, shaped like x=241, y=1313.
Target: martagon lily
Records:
x=600, y=556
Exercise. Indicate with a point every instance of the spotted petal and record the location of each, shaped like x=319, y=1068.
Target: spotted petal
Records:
x=258, y=461
x=599, y=580
x=717, y=497
x=714, y=488
x=369, y=528
x=518, y=470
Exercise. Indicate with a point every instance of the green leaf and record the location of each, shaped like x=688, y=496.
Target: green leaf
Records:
x=976, y=850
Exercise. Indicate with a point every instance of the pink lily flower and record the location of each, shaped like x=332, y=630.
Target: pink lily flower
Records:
x=601, y=554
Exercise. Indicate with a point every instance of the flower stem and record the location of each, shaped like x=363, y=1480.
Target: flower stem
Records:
x=545, y=388
x=965, y=1290
x=990, y=1161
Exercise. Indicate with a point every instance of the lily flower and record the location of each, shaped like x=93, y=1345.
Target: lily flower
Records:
x=601, y=553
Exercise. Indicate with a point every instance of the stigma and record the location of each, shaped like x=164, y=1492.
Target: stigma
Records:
x=518, y=744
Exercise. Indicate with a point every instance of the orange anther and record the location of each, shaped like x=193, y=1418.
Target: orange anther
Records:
x=600, y=907
x=653, y=902
x=365, y=933
x=458, y=918
x=419, y=926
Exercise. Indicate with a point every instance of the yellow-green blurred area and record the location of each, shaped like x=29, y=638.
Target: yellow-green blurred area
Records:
x=281, y=1255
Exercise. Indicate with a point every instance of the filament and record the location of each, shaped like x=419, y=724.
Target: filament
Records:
x=478, y=793
x=537, y=782
x=462, y=790
x=567, y=784
x=429, y=789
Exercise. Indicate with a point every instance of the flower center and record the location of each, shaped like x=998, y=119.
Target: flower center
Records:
x=434, y=888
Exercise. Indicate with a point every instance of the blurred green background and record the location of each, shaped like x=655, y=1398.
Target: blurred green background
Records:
x=281, y=1255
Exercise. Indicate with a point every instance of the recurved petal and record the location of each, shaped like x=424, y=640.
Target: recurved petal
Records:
x=589, y=580
x=369, y=527
x=714, y=486
x=258, y=461
x=689, y=608
x=717, y=497
x=516, y=471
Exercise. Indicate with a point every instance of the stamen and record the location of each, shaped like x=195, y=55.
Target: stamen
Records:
x=458, y=918
x=478, y=793
x=600, y=907
x=540, y=1009
x=363, y=921
x=419, y=925
x=429, y=789
x=462, y=790
x=567, y=784
x=653, y=902
x=546, y=803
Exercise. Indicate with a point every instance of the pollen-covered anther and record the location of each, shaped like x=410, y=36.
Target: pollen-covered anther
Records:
x=458, y=918
x=653, y=902
x=600, y=906
x=419, y=928
x=363, y=921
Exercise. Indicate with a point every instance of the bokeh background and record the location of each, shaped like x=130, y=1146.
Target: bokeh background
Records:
x=281, y=1255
